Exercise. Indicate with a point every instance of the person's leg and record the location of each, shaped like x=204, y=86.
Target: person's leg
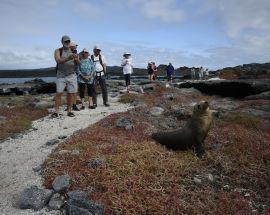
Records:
x=90, y=91
x=104, y=90
x=81, y=89
x=57, y=101
x=128, y=82
x=72, y=88
x=70, y=99
x=60, y=86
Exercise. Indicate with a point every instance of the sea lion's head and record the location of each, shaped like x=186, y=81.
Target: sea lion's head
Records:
x=201, y=107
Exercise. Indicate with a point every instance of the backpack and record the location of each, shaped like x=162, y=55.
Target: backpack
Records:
x=61, y=51
x=100, y=60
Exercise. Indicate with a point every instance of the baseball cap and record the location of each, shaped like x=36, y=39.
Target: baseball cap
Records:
x=72, y=44
x=126, y=53
x=85, y=50
x=97, y=47
x=65, y=38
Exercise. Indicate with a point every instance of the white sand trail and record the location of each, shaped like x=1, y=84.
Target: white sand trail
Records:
x=19, y=156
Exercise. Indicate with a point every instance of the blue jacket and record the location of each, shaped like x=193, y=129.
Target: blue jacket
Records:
x=170, y=69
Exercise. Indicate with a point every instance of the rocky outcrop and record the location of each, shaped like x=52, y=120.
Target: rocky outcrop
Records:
x=229, y=88
x=37, y=86
x=246, y=71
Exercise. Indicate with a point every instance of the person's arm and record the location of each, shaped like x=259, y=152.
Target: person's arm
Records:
x=124, y=62
x=104, y=64
x=60, y=60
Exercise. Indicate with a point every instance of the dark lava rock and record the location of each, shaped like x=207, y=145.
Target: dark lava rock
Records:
x=84, y=207
x=227, y=88
x=56, y=202
x=34, y=198
x=95, y=163
x=77, y=194
x=61, y=183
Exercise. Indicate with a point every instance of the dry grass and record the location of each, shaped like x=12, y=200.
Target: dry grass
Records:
x=142, y=177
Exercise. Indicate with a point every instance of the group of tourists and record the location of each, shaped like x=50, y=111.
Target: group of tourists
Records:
x=76, y=70
x=199, y=74
x=152, y=71
x=82, y=71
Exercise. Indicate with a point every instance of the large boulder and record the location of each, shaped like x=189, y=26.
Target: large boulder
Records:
x=230, y=88
x=34, y=198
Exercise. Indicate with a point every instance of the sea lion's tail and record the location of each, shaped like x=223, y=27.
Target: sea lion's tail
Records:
x=159, y=137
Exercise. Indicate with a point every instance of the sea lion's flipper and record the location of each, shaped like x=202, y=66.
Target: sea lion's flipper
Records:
x=199, y=151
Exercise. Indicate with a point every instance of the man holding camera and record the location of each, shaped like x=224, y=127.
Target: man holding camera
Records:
x=65, y=75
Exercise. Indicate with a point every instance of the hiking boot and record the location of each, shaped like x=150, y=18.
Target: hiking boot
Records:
x=106, y=105
x=70, y=114
x=82, y=107
x=92, y=107
x=54, y=115
x=75, y=108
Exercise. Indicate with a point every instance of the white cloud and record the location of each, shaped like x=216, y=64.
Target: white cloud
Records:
x=247, y=26
x=87, y=10
x=165, y=10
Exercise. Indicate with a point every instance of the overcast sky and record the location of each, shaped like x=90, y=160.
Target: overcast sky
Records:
x=209, y=33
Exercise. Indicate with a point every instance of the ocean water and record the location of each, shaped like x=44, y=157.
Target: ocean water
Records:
x=22, y=80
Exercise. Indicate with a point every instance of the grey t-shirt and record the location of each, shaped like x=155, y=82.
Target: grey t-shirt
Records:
x=66, y=68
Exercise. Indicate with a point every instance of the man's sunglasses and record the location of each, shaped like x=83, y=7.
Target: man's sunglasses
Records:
x=67, y=41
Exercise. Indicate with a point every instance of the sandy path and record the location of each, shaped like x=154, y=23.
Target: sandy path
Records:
x=19, y=156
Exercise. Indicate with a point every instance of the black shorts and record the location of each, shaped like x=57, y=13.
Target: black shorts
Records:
x=91, y=91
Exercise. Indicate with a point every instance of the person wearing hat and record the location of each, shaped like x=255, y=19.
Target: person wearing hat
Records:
x=100, y=71
x=127, y=68
x=86, y=79
x=73, y=47
x=150, y=71
x=65, y=75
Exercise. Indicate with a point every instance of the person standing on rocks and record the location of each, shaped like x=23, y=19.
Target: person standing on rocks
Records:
x=206, y=74
x=201, y=73
x=100, y=71
x=154, y=70
x=65, y=75
x=170, y=72
x=150, y=71
x=192, y=71
x=73, y=47
x=86, y=79
x=127, y=68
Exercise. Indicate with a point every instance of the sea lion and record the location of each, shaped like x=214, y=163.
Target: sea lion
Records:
x=192, y=135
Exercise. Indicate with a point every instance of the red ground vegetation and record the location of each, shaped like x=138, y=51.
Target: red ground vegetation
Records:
x=142, y=177
x=18, y=119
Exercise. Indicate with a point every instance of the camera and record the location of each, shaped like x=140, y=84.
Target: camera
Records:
x=74, y=51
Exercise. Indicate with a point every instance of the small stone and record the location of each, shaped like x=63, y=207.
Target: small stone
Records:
x=52, y=142
x=84, y=207
x=37, y=168
x=197, y=180
x=96, y=163
x=247, y=195
x=61, y=183
x=62, y=152
x=156, y=111
x=56, y=202
x=210, y=177
x=75, y=152
x=226, y=187
x=61, y=137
